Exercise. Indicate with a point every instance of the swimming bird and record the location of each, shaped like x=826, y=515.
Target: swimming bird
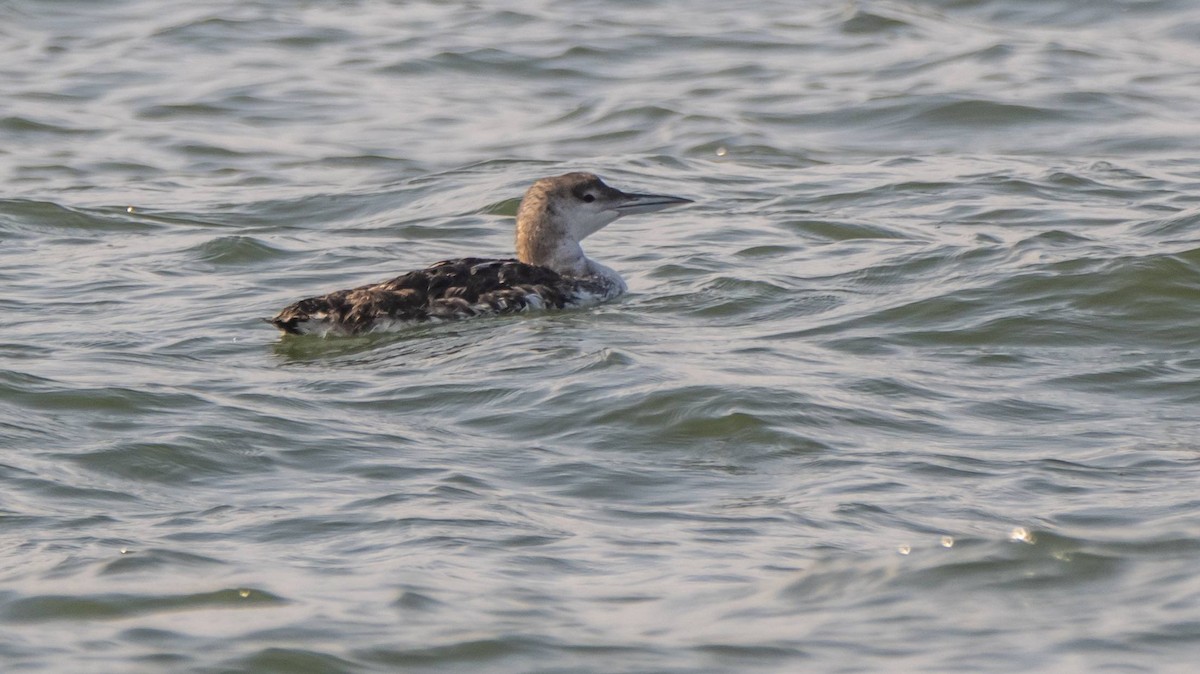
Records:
x=550, y=270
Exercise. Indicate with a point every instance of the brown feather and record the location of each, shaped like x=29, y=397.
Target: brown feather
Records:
x=449, y=289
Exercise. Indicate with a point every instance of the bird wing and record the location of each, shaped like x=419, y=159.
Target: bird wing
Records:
x=448, y=289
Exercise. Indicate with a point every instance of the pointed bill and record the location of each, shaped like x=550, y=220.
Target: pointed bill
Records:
x=647, y=203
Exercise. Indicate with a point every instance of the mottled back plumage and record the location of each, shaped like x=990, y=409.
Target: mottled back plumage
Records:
x=447, y=290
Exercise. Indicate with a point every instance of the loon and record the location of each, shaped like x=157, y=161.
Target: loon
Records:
x=550, y=270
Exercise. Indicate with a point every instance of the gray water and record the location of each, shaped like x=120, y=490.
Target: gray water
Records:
x=913, y=386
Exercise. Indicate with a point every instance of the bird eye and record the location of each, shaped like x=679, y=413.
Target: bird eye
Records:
x=589, y=198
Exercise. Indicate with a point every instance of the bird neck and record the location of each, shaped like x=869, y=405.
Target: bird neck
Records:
x=545, y=240
x=564, y=256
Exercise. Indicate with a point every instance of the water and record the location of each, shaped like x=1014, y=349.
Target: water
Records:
x=912, y=387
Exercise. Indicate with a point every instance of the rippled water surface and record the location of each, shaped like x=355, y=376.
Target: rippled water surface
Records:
x=913, y=386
